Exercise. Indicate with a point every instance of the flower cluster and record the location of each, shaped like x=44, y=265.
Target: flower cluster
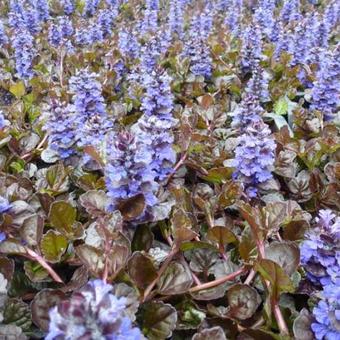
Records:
x=90, y=7
x=60, y=31
x=24, y=53
x=128, y=171
x=68, y=6
x=106, y=19
x=150, y=20
x=176, y=20
x=4, y=205
x=93, y=312
x=326, y=313
x=251, y=51
x=320, y=252
x=320, y=256
x=3, y=121
x=326, y=88
x=254, y=157
x=290, y=11
x=61, y=129
x=92, y=121
x=3, y=35
x=233, y=17
x=128, y=44
x=196, y=48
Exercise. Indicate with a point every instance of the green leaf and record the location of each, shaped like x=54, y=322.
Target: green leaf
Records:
x=142, y=278
x=175, y=280
x=41, y=305
x=18, y=313
x=32, y=229
x=302, y=326
x=189, y=315
x=62, y=216
x=35, y=271
x=53, y=246
x=279, y=280
x=95, y=202
x=157, y=320
x=131, y=299
x=243, y=301
x=186, y=246
x=91, y=257
x=11, y=246
x=202, y=259
x=221, y=235
x=132, y=208
x=219, y=175
x=7, y=267
x=281, y=106
x=142, y=238
x=18, y=89
x=18, y=166
x=11, y=332
x=285, y=254
x=214, y=333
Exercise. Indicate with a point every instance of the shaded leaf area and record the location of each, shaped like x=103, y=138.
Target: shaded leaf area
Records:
x=195, y=243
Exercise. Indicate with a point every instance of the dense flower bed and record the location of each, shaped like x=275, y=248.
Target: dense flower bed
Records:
x=169, y=169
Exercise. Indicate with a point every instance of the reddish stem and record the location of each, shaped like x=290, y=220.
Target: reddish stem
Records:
x=34, y=256
x=177, y=166
x=218, y=281
x=279, y=318
x=160, y=272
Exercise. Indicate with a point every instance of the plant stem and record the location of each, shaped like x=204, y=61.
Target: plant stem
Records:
x=34, y=256
x=160, y=272
x=177, y=166
x=279, y=318
x=218, y=281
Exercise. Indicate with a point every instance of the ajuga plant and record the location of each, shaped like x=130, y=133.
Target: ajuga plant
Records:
x=93, y=312
x=169, y=169
x=196, y=47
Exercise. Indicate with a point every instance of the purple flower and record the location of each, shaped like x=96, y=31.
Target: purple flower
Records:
x=234, y=17
x=89, y=35
x=93, y=312
x=196, y=47
x=290, y=11
x=61, y=129
x=320, y=252
x=258, y=84
x=251, y=51
x=326, y=88
x=16, y=15
x=60, y=31
x=24, y=53
x=105, y=20
x=264, y=17
x=128, y=171
x=327, y=314
x=92, y=121
x=90, y=7
x=4, y=205
x=128, y=44
x=254, y=156
x=68, y=6
x=32, y=21
x=3, y=35
x=150, y=20
x=176, y=20
x=3, y=121
x=2, y=236
x=42, y=8
x=332, y=14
